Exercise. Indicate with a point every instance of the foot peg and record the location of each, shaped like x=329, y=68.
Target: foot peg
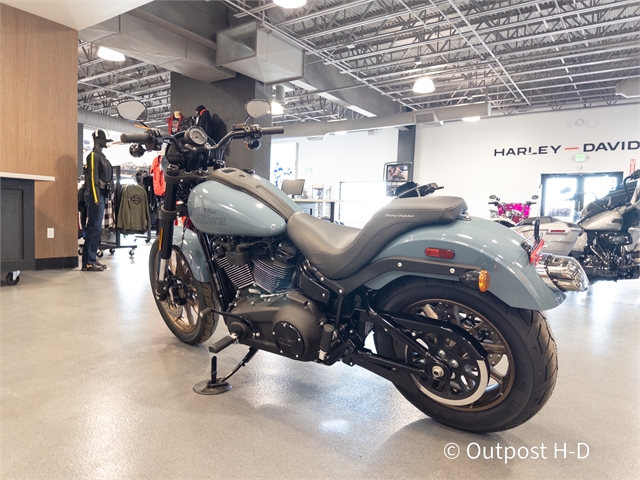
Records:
x=223, y=343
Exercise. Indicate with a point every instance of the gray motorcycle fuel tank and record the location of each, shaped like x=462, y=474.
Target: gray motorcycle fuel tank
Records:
x=607, y=222
x=220, y=210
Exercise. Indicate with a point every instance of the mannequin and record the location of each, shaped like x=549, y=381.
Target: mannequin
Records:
x=175, y=122
x=97, y=179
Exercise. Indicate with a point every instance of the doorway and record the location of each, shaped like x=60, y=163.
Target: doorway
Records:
x=565, y=194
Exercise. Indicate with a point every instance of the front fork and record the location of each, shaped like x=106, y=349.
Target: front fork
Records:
x=167, y=219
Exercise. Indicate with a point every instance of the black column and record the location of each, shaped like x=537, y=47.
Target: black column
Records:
x=406, y=144
x=226, y=98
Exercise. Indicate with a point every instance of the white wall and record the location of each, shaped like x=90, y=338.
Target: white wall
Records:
x=461, y=156
x=350, y=157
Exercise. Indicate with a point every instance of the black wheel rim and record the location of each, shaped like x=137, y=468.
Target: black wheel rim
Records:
x=183, y=317
x=499, y=360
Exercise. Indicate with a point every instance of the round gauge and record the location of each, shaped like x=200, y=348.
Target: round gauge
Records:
x=196, y=135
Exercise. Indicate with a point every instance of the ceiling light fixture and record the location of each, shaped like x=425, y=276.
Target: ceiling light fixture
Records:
x=276, y=108
x=290, y=3
x=424, y=85
x=111, y=55
x=470, y=119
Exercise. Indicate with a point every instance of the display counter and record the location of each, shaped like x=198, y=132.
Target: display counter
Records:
x=17, y=232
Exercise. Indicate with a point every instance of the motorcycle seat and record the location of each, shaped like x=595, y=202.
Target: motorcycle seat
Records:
x=339, y=251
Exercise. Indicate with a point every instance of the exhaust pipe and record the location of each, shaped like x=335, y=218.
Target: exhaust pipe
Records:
x=563, y=274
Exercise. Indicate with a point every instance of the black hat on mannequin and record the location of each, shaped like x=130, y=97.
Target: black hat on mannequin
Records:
x=100, y=135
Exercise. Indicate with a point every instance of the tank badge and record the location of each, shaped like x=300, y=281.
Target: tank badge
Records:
x=208, y=216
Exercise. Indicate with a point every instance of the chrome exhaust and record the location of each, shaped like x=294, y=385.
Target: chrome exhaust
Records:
x=560, y=273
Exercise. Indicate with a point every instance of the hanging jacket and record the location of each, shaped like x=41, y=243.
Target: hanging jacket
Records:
x=133, y=214
x=159, y=185
x=203, y=120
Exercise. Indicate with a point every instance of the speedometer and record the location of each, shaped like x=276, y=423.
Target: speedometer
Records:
x=196, y=135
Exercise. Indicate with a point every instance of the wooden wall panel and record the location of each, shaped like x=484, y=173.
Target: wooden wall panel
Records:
x=38, y=120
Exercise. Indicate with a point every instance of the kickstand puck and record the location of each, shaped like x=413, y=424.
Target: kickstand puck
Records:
x=206, y=387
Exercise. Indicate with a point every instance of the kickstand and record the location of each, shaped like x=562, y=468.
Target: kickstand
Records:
x=215, y=385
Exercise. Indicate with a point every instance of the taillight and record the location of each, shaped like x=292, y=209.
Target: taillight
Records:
x=536, y=251
x=439, y=253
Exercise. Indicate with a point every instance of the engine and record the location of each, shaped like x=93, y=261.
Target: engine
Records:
x=268, y=313
x=605, y=257
x=265, y=263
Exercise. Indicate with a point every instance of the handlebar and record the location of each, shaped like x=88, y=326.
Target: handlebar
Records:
x=272, y=130
x=134, y=137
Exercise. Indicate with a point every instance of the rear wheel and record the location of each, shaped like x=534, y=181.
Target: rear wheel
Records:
x=509, y=387
x=183, y=316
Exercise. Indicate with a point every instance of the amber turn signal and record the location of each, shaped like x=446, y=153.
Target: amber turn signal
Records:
x=476, y=279
x=484, y=281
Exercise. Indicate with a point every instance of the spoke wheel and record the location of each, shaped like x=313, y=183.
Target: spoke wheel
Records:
x=187, y=298
x=474, y=385
x=511, y=384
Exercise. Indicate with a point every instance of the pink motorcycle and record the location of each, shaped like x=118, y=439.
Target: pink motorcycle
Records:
x=510, y=214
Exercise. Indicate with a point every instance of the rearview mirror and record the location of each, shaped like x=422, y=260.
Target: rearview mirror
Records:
x=565, y=190
x=257, y=108
x=492, y=197
x=132, y=110
x=534, y=197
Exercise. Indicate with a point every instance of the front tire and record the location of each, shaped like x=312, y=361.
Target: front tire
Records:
x=521, y=362
x=184, y=321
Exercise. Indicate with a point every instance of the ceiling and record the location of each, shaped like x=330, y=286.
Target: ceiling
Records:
x=76, y=14
x=520, y=55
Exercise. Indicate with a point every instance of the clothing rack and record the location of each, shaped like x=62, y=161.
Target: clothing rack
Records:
x=116, y=205
x=146, y=180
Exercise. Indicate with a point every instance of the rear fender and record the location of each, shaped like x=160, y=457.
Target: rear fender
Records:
x=193, y=252
x=478, y=243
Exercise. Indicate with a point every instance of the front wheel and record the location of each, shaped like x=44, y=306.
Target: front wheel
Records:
x=188, y=297
x=519, y=371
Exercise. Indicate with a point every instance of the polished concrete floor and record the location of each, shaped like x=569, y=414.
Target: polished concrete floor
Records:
x=95, y=386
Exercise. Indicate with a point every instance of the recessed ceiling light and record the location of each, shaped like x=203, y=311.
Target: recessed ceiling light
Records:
x=290, y=3
x=470, y=119
x=111, y=55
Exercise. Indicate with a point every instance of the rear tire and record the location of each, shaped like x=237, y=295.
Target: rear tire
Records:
x=522, y=361
x=184, y=321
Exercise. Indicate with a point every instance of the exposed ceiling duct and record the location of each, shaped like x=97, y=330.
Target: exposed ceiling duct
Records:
x=259, y=54
x=422, y=117
x=629, y=88
x=146, y=37
x=105, y=122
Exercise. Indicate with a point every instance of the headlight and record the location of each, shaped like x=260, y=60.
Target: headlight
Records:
x=196, y=135
x=562, y=273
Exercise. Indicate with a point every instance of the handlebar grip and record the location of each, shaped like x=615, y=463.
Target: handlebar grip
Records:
x=134, y=137
x=272, y=130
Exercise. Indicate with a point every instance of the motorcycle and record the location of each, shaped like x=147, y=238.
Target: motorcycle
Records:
x=605, y=239
x=510, y=214
x=454, y=303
